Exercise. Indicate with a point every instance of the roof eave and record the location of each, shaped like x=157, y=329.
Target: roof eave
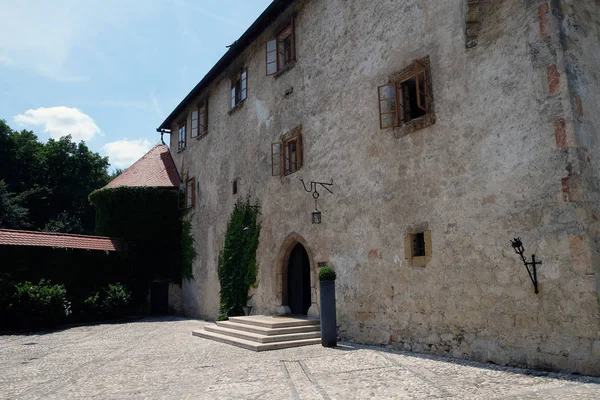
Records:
x=276, y=8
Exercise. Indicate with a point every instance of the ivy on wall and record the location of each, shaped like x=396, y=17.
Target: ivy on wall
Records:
x=157, y=234
x=237, y=260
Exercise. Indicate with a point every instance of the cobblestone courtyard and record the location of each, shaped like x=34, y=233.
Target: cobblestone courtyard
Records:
x=159, y=358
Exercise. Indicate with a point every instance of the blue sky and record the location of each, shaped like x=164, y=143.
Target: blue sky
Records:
x=109, y=71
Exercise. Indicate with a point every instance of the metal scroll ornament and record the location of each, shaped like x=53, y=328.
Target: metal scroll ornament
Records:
x=316, y=215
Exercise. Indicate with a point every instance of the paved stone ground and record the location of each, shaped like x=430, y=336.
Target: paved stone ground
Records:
x=159, y=358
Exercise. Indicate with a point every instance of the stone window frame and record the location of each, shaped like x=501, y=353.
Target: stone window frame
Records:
x=417, y=261
x=399, y=126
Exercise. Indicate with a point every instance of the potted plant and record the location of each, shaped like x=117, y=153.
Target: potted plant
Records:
x=328, y=315
x=248, y=307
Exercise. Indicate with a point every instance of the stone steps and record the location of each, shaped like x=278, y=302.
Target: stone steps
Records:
x=262, y=333
x=269, y=331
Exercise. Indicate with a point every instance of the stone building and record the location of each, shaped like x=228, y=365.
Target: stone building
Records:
x=447, y=128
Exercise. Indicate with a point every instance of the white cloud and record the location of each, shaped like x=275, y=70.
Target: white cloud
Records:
x=122, y=153
x=61, y=121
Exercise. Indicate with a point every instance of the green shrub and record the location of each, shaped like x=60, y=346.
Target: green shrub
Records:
x=112, y=301
x=327, y=274
x=37, y=306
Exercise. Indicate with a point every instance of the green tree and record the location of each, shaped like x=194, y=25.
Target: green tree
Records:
x=52, y=180
x=12, y=213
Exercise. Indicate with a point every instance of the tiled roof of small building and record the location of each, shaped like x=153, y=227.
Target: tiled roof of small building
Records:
x=155, y=169
x=11, y=237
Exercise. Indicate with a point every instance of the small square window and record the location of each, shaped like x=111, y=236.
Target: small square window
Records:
x=417, y=248
x=418, y=244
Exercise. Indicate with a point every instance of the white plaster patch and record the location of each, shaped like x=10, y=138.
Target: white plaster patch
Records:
x=262, y=114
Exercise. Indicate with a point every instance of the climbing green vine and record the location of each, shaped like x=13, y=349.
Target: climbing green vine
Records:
x=237, y=260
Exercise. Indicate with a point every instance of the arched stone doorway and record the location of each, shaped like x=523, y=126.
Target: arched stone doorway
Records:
x=298, y=281
x=282, y=287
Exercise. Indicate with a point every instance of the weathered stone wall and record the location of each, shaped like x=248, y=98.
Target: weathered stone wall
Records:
x=499, y=162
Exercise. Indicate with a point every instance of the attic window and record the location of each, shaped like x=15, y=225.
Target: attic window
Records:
x=408, y=98
x=281, y=50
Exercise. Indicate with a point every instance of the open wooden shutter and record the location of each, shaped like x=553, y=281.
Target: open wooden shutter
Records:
x=233, y=97
x=271, y=57
x=299, y=151
x=195, y=120
x=203, y=118
x=422, y=85
x=388, y=106
x=276, y=159
x=293, y=40
x=244, y=85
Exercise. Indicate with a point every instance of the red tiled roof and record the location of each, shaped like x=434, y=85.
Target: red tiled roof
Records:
x=12, y=237
x=155, y=169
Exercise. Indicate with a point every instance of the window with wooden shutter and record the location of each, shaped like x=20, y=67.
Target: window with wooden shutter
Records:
x=239, y=88
x=194, y=127
x=407, y=101
x=286, y=155
x=190, y=196
x=276, y=159
x=292, y=149
x=281, y=51
x=181, y=135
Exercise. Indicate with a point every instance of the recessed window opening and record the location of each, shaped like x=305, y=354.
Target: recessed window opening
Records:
x=409, y=99
x=235, y=186
x=418, y=244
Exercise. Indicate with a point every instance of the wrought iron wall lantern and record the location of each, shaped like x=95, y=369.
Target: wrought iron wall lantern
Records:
x=316, y=215
x=517, y=245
